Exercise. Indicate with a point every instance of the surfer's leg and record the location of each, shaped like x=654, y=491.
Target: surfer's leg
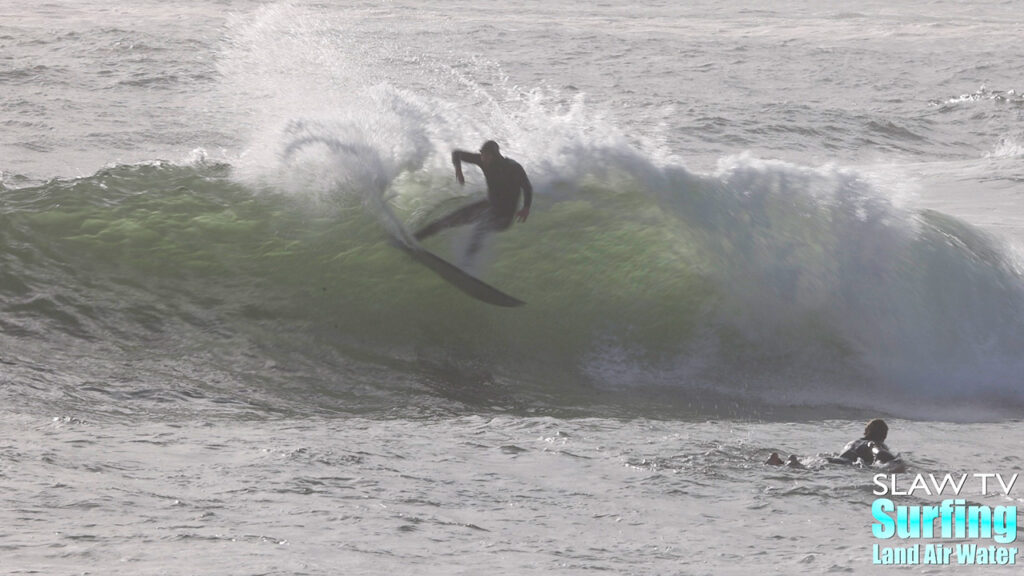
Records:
x=487, y=225
x=476, y=240
x=462, y=216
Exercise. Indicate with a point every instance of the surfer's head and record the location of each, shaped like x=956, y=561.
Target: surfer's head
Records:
x=489, y=151
x=876, y=430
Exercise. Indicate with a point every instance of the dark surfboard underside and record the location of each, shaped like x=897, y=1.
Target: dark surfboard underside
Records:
x=459, y=278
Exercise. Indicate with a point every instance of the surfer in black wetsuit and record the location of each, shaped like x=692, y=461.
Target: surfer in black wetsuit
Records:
x=505, y=180
x=871, y=448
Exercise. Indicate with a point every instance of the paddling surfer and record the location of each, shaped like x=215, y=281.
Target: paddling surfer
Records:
x=871, y=447
x=506, y=180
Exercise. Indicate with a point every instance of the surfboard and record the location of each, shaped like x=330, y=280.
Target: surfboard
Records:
x=464, y=281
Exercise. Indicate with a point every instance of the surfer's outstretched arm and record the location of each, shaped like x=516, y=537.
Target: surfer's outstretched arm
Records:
x=460, y=156
x=463, y=156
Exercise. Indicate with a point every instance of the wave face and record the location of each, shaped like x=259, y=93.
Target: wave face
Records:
x=764, y=283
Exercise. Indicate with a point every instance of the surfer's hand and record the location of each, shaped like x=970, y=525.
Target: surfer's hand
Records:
x=522, y=215
x=459, y=176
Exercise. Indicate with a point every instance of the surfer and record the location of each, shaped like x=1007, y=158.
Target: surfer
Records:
x=505, y=180
x=776, y=460
x=871, y=448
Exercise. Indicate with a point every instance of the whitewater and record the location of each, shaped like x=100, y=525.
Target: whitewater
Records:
x=753, y=230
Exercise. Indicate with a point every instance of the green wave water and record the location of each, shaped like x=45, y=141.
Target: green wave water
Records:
x=762, y=285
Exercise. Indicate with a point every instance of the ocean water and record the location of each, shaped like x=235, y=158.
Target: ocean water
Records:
x=754, y=228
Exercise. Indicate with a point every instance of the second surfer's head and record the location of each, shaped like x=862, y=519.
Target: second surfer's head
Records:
x=876, y=430
x=488, y=152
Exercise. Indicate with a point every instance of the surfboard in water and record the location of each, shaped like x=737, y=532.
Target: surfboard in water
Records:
x=458, y=277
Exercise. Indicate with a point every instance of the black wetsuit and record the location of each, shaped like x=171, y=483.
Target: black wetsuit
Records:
x=505, y=178
x=866, y=450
